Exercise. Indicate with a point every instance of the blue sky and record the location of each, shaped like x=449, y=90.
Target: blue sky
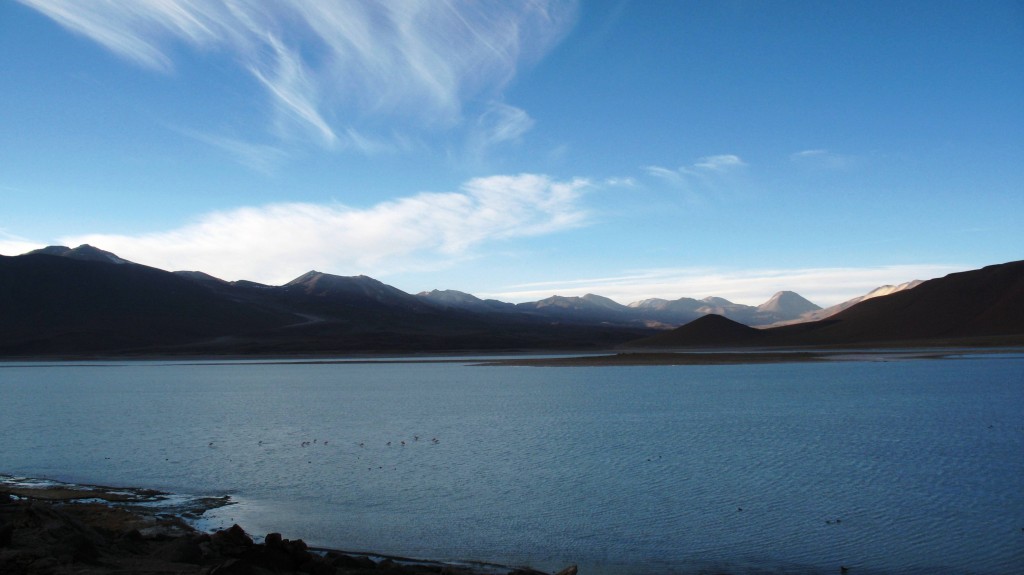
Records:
x=519, y=150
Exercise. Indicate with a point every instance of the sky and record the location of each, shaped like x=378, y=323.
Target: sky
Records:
x=517, y=150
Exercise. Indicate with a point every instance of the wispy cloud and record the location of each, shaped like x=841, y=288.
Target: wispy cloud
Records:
x=823, y=286
x=720, y=163
x=502, y=123
x=275, y=243
x=12, y=245
x=324, y=64
x=260, y=157
x=705, y=174
x=821, y=159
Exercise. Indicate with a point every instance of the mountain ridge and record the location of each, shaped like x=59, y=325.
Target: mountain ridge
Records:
x=933, y=311
x=86, y=301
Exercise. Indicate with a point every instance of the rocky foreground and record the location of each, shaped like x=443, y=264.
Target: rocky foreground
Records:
x=48, y=535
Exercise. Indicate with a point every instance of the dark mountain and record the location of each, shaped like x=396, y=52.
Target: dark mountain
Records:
x=461, y=300
x=981, y=306
x=84, y=301
x=356, y=290
x=588, y=308
x=706, y=331
x=53, y=303
x=830, y=311
x=980, y=303
x=84, y=252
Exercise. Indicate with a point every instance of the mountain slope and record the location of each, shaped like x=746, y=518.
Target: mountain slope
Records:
x=84, y=252
x=978, y=303
x=787, y=304
x=59, y=305
x=53, y=304
x=461, y=300
x=974, y=306
x=815, y=315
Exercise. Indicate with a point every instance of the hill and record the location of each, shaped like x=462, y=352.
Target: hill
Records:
x=711, y=330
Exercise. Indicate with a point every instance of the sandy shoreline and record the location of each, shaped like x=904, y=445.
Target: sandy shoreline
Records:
x=52, y=528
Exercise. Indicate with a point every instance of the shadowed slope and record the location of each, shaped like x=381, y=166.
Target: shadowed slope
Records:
x=963, y=307
x=709, y=330
x=984, y=302
x=54, y=304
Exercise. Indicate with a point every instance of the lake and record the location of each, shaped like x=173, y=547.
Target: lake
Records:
x=912, y=466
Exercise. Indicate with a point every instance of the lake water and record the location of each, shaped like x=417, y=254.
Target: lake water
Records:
x=884, y=467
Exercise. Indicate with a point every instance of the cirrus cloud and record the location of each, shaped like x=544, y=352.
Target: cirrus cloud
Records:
x=277, y=242
x=325, y=63
x=706, y=174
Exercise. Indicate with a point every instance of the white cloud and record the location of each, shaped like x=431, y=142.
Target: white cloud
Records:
x=674, y=177
x=720, y=163
x=822, y=159
x=275, y=243
x=823, y=286
x=323, y=64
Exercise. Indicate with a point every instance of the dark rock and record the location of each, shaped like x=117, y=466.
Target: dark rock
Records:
x=6, y=534
x=231, y=542
x=390, y=567
x=297, y=550
x=238, y=567
x=317, y=566
x=181, y=550
x=272, y=540
x=343, y=561
x=570, y=570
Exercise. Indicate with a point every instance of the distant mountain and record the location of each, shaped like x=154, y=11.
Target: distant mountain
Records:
x=784, y=305
x=84, y=252
x=669, y=312
x=360, y=289
x=787, y=304
x=818, y=314
x=461, y=300
x=588, y=308
x=983, y=306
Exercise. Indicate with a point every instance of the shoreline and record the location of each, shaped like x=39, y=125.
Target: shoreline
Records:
x=711, y=354
x=746, y=357
x=559, y=358
x=49, y=527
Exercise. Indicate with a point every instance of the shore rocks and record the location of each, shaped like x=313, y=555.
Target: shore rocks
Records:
x=41, y=538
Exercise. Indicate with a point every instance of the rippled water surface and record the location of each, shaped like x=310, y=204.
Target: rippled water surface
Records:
x=883, y=467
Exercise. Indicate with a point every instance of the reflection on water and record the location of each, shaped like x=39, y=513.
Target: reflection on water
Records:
x=912, y=466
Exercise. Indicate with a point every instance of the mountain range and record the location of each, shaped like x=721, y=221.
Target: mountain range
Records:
x=85, y=301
